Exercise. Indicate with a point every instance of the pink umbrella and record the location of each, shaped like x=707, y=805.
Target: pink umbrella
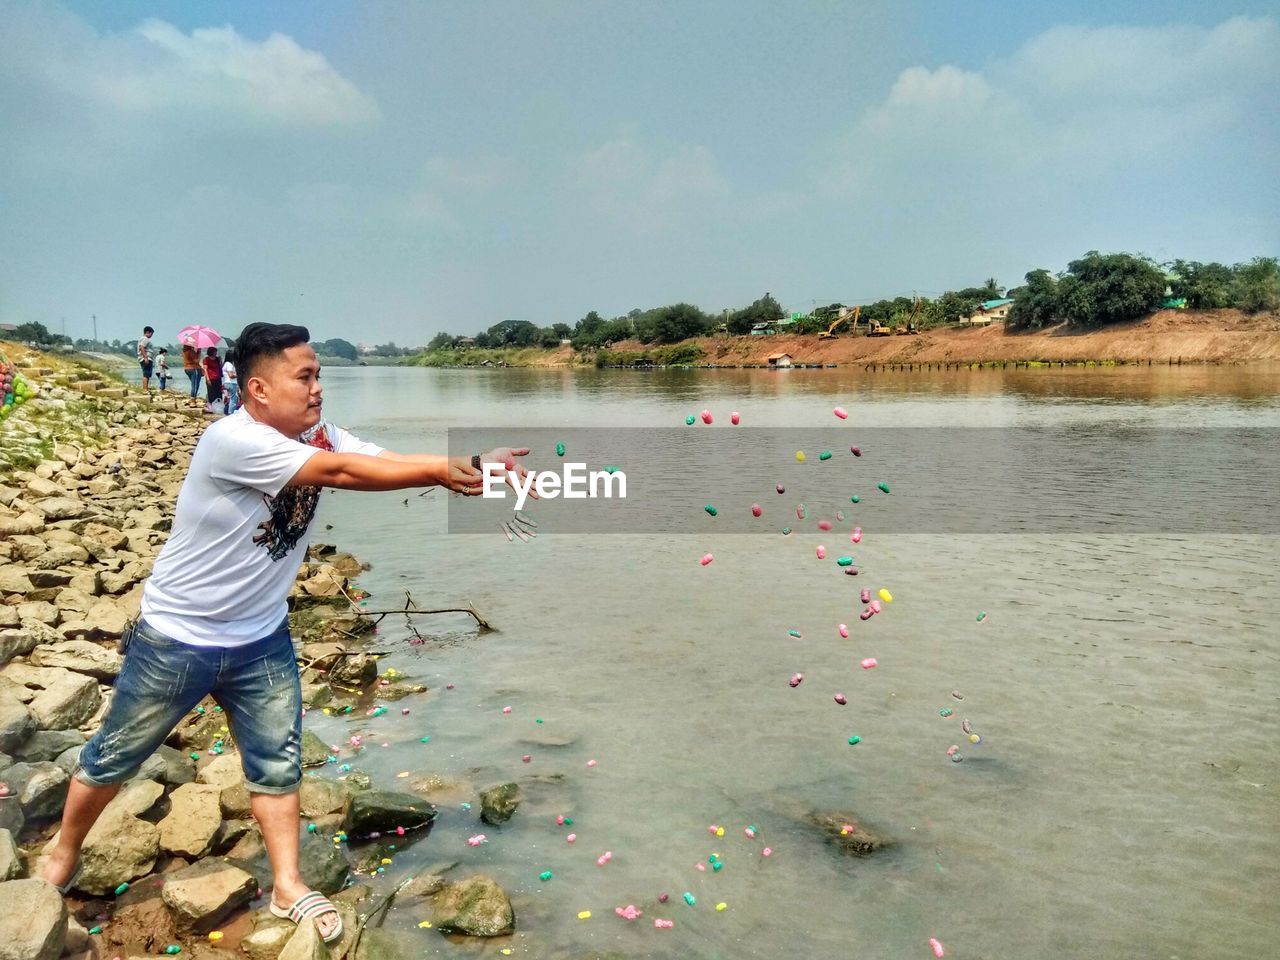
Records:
x=199, y=337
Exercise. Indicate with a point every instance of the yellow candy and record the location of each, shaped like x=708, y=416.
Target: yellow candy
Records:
x=974, y=738
x=719, y=831
x=385, y=861
x=215, y=936
x=225, y=729
x=325, y=711
x=584, y=915
x=505, y=951
x=424, y=924
x=885, y=595
x=799, y=456
x=720, y=907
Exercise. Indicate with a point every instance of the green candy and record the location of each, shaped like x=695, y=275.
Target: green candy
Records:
x=559, y=449
x=568, y=821
x=854, y=741
x=982, y=616
x=122, y=888
x=825, y=455
x=689, y=898
x=689, y=420
x=194, y=756
x=611, y=469
x=545, y=875
x=845, y=561
x=945, y=712
x=883, y=486
x=94, y=929
x=716, y=865
x=172, y=948
x=794, y=633
x=710, y=509
x=424, y=739
x=537, y=720
x=855, y=499
x=786, y=531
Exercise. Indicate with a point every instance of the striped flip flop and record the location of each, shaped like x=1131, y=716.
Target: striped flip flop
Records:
x=310, y=906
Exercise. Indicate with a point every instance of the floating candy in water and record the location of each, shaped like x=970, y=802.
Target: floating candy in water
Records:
x=750, y=831
x=735, y=418
x=584, y=914
x=866, y=595
x=756, y=510
x=604, y=858
x=982, y=616
x=690, y=419
x=825, y=455
x=856, y=536
x=710, y=509
x=974, y=738
x=689, y=898
x=866, y=614
x=544, y=875
x=795, y=633
x=706, y=558
x=841, y=412
x=855, y=499
x=629, y=912
x=478, y=839
x=700, y=867
x=884, y=487
x=844, y=561
x=839, y=516
x=664, y=924
x=945, y=712
x=571, y=838
x=720, y=907
x=885, y=595
x=559, y=449
x=526, y=758
x=868, y=663
x=856, y=451
x=590, y=763
x=560, y=819
x=855, y=740
x=821, y=551
x=966, y=726
x=780, y=488
x=843, y=629
x=504, y=710
x=874, y=606
x=953, y=750
x=841, y=699
x=800, y=512
x=956, y=758
x=706, y=416
x=936, y=947
x=796, y=679
x=851, y=571
x=824, y=525
x=786, y=531
x=799, y=456
x=957, y=694
x=767, y=852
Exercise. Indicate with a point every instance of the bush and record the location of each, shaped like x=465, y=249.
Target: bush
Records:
x=1256, y=285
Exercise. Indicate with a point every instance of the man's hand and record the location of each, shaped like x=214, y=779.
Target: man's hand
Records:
x=507, y=457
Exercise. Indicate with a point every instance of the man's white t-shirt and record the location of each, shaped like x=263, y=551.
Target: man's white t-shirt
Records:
x=239, y=534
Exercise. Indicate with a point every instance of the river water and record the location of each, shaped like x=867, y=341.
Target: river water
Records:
x=1123, y=800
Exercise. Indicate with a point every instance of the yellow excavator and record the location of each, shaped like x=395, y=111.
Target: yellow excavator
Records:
x=912, y=326
x=844, y=315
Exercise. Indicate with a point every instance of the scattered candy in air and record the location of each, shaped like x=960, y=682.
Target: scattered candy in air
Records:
x=844, y=627
x=841, y=699
x=706, y=416
x=936, y=947
x=885, y=595
x=821, y=552
x=982, y=616
x=711, y=509
x=756, y=510
x=868, y=663
x=706, y=558
x=799, y=456
x=735, y=418
x=504, y=710
x=584, y=915
x=841, y=412
x=844, y=561
x=780, y=488
x=559, y=449
x=689, y=898
x=796, y=679
x=856, y=536
x=690, y=419
x=854, y=740
x=629, y=912
x=664, y=924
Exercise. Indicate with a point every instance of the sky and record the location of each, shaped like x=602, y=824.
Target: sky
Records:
x=386, y=170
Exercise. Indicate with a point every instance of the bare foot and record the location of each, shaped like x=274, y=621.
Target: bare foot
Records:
x=286, y=895
x=58, y=867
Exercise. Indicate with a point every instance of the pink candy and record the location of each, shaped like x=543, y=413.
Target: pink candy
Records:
x=866, y=614
x=604, y=858
x=824, y=525
x=700, y=867
x=560, y=820
x=713, y=828
x=767, y=852
x=936, y=947
x=571, y=838
x=706, y=558
x=868, y=663
x=735, y=418
x=399, y=831
x=780, y=488
x=478, y=839
x=856, y=451
x=841, y=699
x=750, y=833
x=841, y=412
x=952, y=750
x=404, y=711
x=874, y=606
x=856, y=536
x=629, y=912
x=664, y=924
x=756, y=510
x=591, y=763
x=706, y=416
x=844, y=630
x=796, y=678
x=866, y=595
x=526, y=758
x=506, y=709
x=839, y=516
x=821, y=551
x=448, y=686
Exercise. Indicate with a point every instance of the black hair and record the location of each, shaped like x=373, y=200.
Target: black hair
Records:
x=261, y=341
x=163, y=350
x=148, y=330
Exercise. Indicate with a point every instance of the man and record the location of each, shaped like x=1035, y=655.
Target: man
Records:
x=213, y=610
x=230, y=385
x=145, y=360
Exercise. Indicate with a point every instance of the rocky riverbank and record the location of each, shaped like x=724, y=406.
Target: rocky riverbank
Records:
x=88, y=478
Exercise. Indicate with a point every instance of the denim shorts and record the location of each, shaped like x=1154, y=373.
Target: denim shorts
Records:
x=163, y=679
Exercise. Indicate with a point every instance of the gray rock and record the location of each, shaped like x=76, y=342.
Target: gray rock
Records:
x=269, y=936
x=80, y=656
x=16, y=641
x=381, y=810
x=68, y=759
x=41, y=788
x=120, y=847
x=67, y=702
x=203, y=895
x=61, y=508
x=48, y=745
x=384, y=945
x=16, y=721
x=354, y=671
x=193, y=820
x=476, y=906
x=11, y=867
x=305, y=944
x=235, y=802
x=498, y=804
x=33, y=921
x=319, y=798
x=178, y=767
x=12, y=817
x=230, y=833
x=223, y=771
x=14, y=580
x=323, y=865
x=315, y=752
x=848, y=833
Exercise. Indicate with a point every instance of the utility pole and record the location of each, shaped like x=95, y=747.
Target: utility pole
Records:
x=95, y=330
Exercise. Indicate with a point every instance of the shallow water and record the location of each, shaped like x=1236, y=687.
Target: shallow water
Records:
x=1122, y=802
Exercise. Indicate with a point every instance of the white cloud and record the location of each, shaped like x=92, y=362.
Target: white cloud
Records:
x=156, y=68
x=636, y=188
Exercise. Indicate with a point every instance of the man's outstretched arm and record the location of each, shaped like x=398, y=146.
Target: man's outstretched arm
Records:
x=357, y=471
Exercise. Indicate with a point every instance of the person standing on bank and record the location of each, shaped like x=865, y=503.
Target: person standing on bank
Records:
x=162, y=368
x=191, y=367
x=230, y=385
x=145, y=359
x=213, y=617
x=213, y=380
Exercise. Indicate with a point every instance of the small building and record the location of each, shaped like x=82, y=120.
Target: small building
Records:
x=990, y=311
x=777, y=360
x=465, y=342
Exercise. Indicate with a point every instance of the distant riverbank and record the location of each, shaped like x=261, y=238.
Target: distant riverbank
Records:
x=1220, y=336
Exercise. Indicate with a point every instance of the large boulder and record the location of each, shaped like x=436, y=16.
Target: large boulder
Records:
x=61, y=508
x=48, y=745
x=476, y=906
x=382, y=810
x=269, y=936
x=80, y=656
x=41, y=788
x=193, y=820
x=16, y=721
x=202, y=895
x=323, y=865
x=33, y=921
x=11, y=867
x=61, y=699
x=498, y=804
x=305, y=944
x=320, y=798
x=222, y=771
x=120, y=847
x=315, y=752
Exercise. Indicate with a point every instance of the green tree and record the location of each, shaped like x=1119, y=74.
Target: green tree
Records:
x=441, y=341
x=671, y=324
x=337, y=348
x=34, y=332
x=1257, y=285
x=1036, y=304
x=953, y=306
x=1109, y=288
x=562, y=330
x=764, y=310
x=1206, y=286
x=513, y=333
x=991, y=289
